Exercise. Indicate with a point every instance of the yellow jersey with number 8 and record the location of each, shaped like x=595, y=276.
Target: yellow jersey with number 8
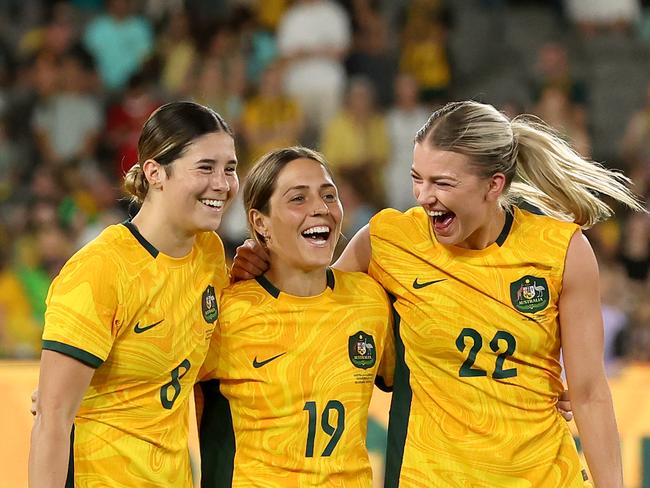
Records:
x=144, y=320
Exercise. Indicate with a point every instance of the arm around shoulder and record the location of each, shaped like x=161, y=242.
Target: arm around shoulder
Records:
x=582, y=344
x=356, y=255
x=62, y=384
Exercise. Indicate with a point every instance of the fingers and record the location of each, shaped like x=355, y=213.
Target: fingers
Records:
x=566, y=414
x=251, y=260
x=34, y=398
x=564, y=406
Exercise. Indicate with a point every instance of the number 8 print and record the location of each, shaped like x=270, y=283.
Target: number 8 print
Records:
x=175, y=383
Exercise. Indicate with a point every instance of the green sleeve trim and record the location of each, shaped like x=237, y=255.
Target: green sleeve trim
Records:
x=74, y=352
x=216, y=438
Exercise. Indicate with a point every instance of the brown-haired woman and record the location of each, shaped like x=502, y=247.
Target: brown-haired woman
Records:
x=289, y=376
x=129, y=318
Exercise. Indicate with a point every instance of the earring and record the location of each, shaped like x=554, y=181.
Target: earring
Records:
x=267, y=238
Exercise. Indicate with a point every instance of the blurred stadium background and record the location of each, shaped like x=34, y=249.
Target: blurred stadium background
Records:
x=353, y=78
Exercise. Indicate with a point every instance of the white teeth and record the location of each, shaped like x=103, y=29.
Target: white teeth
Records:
x=317, y=229
x=213, y=203
x=435, y=213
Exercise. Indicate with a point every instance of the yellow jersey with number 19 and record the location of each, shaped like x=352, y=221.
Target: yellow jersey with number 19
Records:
x=144, y=320
x=478, y=355
x=290, y=384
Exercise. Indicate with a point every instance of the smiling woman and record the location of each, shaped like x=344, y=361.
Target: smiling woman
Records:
x=302, y=230
x=130, y=316
x=510, y=290
x=287, y=383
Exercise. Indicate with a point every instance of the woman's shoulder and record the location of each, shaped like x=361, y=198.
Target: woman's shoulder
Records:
x=111, y=242
x=538, y=222
x=358, y=283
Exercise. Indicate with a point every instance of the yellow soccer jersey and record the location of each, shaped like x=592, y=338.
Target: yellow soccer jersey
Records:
x=144, y=320
x=290, y=384
x=478, y=345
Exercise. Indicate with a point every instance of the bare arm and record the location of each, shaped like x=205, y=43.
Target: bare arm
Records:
x=62, y=384
x=356, y=255
x=582, y=345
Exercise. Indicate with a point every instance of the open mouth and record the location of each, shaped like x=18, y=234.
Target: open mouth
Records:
x=216, y=204
x=441, y=220
x=318, y=234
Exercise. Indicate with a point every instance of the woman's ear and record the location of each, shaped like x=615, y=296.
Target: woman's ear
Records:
x=259, y=224
x=496, y=186
x=153, y=172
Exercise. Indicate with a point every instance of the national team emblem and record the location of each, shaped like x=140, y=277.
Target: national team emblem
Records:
x=529, y=294
x=361, y=348
x=209, y=305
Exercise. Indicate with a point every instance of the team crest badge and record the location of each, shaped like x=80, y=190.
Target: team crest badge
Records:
x=361, y=348
x=209, y=305
x=529, y=294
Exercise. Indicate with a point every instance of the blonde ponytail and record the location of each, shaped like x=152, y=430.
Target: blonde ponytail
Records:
x=552, y=176
x=135, y=184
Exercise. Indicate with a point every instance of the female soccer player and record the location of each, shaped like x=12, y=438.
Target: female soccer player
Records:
x=488, y=294
x=130, y=316
x=291, y=368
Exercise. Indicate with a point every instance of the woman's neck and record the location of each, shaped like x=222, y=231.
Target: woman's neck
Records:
x=297, y=282
x=487, y=234
x=159, y=231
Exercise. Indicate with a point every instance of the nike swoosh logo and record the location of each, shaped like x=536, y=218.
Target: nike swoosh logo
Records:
x=139, y=330
x=417, y=285
x=259, y=364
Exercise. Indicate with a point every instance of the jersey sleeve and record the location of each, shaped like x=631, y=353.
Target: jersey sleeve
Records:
x=83, y=308
x=378, y=228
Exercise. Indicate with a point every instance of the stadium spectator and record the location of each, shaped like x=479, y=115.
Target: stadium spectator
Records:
x=176, y=49
x=635, y=144
x=555, y=108
x=595, y=16
x=67, y=123
x=124, y=121
x=271, y=119
x=424, y=49
x=120, y=42
x=553, y=70
x=372, y=55
x=403, y=120
x=356, y=140
x=313, y=38
x=635, y=247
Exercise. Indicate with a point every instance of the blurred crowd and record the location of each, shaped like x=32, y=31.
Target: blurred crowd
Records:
x=352, y=78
